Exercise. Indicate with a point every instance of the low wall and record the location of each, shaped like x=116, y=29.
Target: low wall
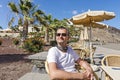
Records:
x=9, y=34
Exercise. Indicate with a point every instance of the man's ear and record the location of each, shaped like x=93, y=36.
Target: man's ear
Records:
x=68, y=39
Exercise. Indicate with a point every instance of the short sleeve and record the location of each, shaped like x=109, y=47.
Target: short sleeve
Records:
x=51, y=57
x=75, y=55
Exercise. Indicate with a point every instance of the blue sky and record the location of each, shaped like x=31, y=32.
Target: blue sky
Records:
x=66, y=9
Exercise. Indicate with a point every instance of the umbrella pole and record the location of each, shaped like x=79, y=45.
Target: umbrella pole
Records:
x=90, y=46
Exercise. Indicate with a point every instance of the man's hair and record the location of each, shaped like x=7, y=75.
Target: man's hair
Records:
x=62, y=27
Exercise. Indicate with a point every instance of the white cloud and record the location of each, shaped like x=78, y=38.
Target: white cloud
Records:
x=0, y=6
x=74, y=12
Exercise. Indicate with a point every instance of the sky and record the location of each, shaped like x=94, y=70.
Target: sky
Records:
x=61, y=9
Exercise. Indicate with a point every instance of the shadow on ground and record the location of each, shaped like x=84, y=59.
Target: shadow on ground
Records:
x=7, y=58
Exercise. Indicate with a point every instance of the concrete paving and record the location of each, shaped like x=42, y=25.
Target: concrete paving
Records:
x=34, y=76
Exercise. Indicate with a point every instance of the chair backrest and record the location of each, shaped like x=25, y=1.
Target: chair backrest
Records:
x=111, y=60
x=85, y=52
x=46, y=67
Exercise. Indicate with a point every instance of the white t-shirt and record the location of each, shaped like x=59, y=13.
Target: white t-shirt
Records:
x=64, y=61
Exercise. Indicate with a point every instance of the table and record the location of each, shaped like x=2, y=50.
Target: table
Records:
x=113, y=72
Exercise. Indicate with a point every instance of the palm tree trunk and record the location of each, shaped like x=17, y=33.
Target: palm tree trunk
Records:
x=47, y=35
x=54, y=35
x=25, y=30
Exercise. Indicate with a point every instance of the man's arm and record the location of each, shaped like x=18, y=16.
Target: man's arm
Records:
x=56, y=73
x=86, y=66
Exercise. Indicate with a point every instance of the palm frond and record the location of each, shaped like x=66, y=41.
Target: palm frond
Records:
x=13, y=7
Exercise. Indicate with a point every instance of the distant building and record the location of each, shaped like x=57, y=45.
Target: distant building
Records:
x=10, y=33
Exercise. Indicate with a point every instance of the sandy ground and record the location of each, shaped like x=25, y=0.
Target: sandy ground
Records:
x=13, y=69
x=12, y=62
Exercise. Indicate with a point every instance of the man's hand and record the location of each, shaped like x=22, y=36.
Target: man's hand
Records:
x=88, y=69
x=87, y=75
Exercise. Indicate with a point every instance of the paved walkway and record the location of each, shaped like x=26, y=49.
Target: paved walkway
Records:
x=102, y=51
x=115, y=46
x=34, y=76
x=106, y=51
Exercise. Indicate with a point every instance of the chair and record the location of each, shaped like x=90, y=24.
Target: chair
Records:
x=80, y=52
x=85, y=53
x=46, y=67
x=76, y=66
x=110, y=60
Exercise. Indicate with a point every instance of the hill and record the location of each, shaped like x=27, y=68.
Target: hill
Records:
x=109, y=35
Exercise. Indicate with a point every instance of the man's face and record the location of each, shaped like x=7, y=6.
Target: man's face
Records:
x=62, y=36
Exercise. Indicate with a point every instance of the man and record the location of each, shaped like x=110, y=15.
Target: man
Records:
x=61, y=60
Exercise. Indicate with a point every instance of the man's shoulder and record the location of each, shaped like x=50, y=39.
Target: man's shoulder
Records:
x=52, y=48
x=70, y=48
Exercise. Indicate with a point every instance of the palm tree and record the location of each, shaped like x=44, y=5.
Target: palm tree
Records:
x=24, y=11
x=48, y=19
x=11, y=22
x=43, y=20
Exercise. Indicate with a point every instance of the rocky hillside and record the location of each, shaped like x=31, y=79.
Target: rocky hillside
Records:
x=110, y=34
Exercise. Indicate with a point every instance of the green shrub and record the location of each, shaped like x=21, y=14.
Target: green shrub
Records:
x=33, y=44
x=16, y=41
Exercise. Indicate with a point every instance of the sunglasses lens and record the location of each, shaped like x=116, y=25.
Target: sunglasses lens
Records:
x=58, y=34
x=62, y=34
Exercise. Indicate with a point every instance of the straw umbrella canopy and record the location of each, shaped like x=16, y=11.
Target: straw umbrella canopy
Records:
x=89, y=18
x=99, y=25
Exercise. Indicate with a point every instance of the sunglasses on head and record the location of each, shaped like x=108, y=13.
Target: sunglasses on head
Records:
x=62, y=34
